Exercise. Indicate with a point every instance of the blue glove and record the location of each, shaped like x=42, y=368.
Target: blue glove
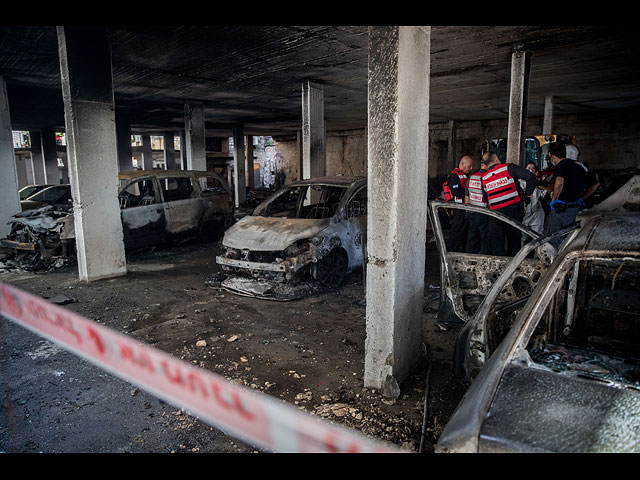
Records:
x=555, y=203
x=582, y=203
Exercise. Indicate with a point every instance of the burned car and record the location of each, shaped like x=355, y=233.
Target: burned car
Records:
x=558, y=370
x=310, y=230
x=156, y=207
x=165, y=205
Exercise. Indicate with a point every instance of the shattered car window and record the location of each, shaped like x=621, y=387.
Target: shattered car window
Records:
x=210, y=185
x=591, y=328
x=357, y=206
x=308, y=201
x=138, y=194
x=178, y=188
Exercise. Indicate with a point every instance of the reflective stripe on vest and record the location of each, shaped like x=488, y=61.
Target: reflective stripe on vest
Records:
x=448, y=194
x=476, y=194
x=500, y=187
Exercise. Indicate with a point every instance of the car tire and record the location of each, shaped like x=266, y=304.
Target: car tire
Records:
x=331, y=270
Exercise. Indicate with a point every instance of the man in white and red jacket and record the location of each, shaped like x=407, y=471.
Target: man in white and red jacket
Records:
x=454, y=190
x=501, y=184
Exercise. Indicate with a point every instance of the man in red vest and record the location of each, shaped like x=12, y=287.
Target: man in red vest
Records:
x=477, y=241
x=454, y=189
x=501, y=184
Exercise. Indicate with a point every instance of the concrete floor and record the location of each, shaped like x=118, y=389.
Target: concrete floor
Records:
x=308, y=352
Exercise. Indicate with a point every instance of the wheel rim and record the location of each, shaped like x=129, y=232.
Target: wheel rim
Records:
x=332, y=269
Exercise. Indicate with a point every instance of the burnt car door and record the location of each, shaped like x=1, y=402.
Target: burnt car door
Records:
x=216, y=201
x=143, y=215
x=355, y=224
x=466, y=278
x=182, y=205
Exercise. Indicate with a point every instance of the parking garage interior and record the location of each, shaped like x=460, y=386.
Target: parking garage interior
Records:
x=266, y=106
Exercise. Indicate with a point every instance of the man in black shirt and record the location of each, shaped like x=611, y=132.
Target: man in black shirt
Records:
x=567, y=189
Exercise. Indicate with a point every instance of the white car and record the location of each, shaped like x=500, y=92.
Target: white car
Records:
x=311, y=230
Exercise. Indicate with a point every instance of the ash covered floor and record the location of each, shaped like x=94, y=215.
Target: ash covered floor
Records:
x=308, y=352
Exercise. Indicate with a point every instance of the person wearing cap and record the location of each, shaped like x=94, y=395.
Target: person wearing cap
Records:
x=454, y=189
x=567, y=184
x=590, y=181
x=501, y=184
x=477, y=241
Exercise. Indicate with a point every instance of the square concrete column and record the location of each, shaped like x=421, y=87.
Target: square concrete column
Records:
x=147, y=153
x=123, y=138
x=547, y=124
x=50, y=153
x=169, y=151
x=195, y=136
x=518, y=102
x=240, y=189
x=9, y=198
x=314, y=157
x=37, y=159
x=183, y=154
x=87, y=91
x=398, y=126
x=249, y=175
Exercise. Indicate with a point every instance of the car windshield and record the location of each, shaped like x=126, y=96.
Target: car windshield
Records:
x=305, y=201
x=50, y=194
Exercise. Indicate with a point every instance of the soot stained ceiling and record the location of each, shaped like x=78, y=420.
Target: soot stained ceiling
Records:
x=253, y=75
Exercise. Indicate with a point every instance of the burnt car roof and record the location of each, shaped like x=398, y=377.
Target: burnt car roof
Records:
x=611, y=233
x=131, y=174
x=346, y=181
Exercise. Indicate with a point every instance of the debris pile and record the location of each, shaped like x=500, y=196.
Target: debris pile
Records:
x=40, y=239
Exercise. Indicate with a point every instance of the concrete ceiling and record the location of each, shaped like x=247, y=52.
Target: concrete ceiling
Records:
x=253, y=75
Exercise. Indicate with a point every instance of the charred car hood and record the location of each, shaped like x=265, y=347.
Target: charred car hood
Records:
x=536, y=410
x=271, y=234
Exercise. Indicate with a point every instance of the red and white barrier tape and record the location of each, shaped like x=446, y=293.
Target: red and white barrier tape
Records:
x=255, y=418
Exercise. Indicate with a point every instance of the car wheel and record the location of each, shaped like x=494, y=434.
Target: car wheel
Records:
x=331, y=269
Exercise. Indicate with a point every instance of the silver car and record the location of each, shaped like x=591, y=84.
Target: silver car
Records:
x=310, y=230
x=558, y=369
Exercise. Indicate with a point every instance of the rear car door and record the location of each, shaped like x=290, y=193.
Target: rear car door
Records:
x=216, y=200
x=143, y=215
x=181, y=202
x=355, y=218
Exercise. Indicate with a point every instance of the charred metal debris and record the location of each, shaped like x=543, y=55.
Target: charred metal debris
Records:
x=40, y=239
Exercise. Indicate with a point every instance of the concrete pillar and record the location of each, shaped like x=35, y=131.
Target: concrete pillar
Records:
x=9, y=198
x=123, y=138
x=37, y=159
x=183, y=155
x=250, y=177
x=147, y=153
x=547, y=124
x=87, y=91
x=299, y=149
x=240, y=189
x=398, y=128
x=52, y=173
x=452, y=159
x=195, y=136
x=169, y=151
x=314, y=158
x=518, y=100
